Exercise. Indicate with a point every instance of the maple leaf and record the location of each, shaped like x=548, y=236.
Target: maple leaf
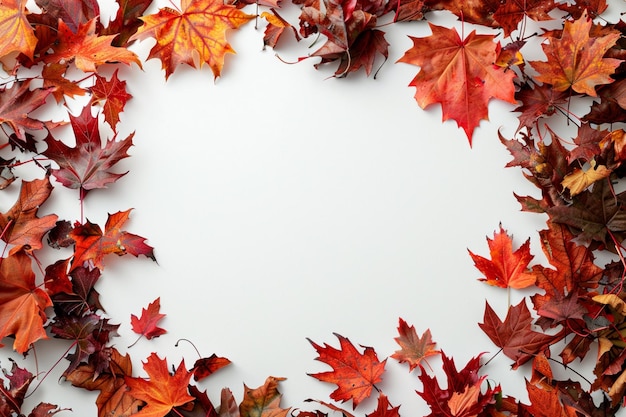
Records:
x=22, y=303
x=20, y=225
x=263, y=401
x=114, y=398
x=576, y=60
x=580, y=179
x=93, y=245
x=538, y=101
x=414, y=348
x=71, y=12
x=81, y=298
x=506, y=268
x=511, y=12
x=86, y=49
x=127, y=21
x=87, y=165
x=207, y=366
x=471, y=11
x=546, y=402
x=514, y=335
x=146, y=325
x=276, y=26
x=60, y=86
x=354, y=373
x=384, y=408
x=200, y=28
x=114, y=95
x=12, y=396
x=459, y=74
x=462, y=395
x=17, y=34
x=17, y=102
x=162, y=391
x=408, y=10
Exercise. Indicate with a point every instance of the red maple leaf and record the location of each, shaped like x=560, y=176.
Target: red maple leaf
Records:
x=460, y=74
x=514, y=335
x=506, y=268
x=22, y=303
x=463, y=395
x=20, y=225
x=207, y=366
x=354, y=373
x=114, y=95
x=17, y=102
x=384, y=408
x=511, y=12
x=161, y=391
x=87, y=165
x=92, y=245
x=86, y=49
x=414, y=348
x=576, y=60
x=146, y=325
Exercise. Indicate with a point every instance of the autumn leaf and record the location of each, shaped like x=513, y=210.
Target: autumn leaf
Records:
x=22, y=303
x=506, y=268
x=459, y=74
x=415, y=349
x=12, y=396
x=276, y=27
x=93, y=245
x=384, y=408
x=514, y=335
x=161, y=391
x=17, y=102
x=114, y=96
x=207, y=366
x=146, y=325
x=198, y=29
x=73, y=13
x=580, y=179
x=88, y=50
x=354, y=373
x=20, y=225
x=87, y=165
x=53, y=79
x=576, y=60
x=463, y=395
x=263, y=401
x=114, y=399
x=17, y=33
x=511, y=12
x=127, y=20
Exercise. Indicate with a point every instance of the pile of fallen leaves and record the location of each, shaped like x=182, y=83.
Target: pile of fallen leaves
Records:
x=53, y=50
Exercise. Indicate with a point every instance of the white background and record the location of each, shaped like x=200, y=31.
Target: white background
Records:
x=285, y=204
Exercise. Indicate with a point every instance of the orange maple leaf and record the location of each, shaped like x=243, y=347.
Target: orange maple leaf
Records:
x=414, y=348
x=87, y=49
x=459, y=74
x=506, y=268
x=93, y=245
x=22, y=303
x=162, y=392
x=17, y=33
x=196, y=32
x=20, y=225
x=576, y=60
x=263, y=401
x=354, y=373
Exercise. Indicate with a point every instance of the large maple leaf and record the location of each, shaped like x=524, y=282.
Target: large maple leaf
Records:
x=22, y=303
x=162, y=391
x=263, y=401
x=198, y=29
x=459, y=74
x=506, y=268
x=17, y=34
x=577, y=60
x=20, y=225
x=87, y=49
x=92, y=245
x=354, y=373
x=86, y=165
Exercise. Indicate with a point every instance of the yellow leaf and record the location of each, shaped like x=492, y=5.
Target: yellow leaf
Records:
x=580, y=179
x=17, y=34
